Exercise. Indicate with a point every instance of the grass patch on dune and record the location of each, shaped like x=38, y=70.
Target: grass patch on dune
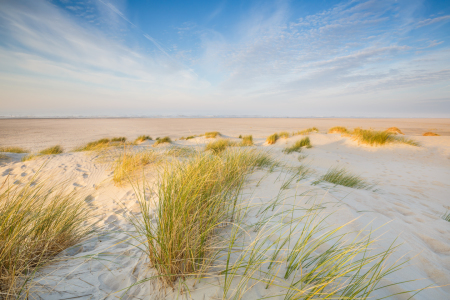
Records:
x=37, y=222
x=306, y=131
x=247, y=140
x=305, y=142
x=194, y=198
x=272, y=139
x=101, y=144
x=338, y=129
x=48, y=151
x=212, y=134
x=142, y=138
x=394, y=130
x=379, y=138
x=219, y=146
x=430, y=134
x=283, y=135
x=164, y=140
x=340, y=176
x=188, y=137
x=129, y=163
x=52, y=150
x=13, y=150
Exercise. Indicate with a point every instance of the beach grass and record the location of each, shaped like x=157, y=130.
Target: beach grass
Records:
x=130, y=162
x=306, y=131
x=429, y=133
x=102, y=144
x=212, y=134
x=394, y=130
x=283, y=135
x=446, y=216
x=341, y=176
x=219, y=146
x=272, y=139
x=379, y=138
x=164, y=140
x=14, y=149
x=247, y=140
x=194, y=197
x=305, y=142
x=37, y=221
x=142, y=138
x=119, y=139
x=338, y=129
x=52, y=150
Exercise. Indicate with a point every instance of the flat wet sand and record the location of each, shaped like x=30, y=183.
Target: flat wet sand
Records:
x=35, y=134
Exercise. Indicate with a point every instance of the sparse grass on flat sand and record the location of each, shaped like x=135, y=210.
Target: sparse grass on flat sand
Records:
x=305, y=142
x=306, y=131
x=272, y=139
x=338, y=129
x=379, y=138
x=195, y=197
x=129, y=162
x=340, y=176
x=430, y=134
x=37, y=222
x=13, y=150
x=212, y=134
x=142, y=138
x=247, y=140
x=394, y=130
x=164, y=140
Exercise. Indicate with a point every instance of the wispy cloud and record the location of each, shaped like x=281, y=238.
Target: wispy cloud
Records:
x=270, y=62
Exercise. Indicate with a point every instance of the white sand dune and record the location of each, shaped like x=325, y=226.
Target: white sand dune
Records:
x=410, y=194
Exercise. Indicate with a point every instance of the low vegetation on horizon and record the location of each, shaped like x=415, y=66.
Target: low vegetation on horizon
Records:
x=142, y=138
x=430, y=134
x=338, y=129
x=102, y=144
x=306, y=131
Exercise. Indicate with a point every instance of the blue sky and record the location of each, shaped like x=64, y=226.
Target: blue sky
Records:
x=268, y=58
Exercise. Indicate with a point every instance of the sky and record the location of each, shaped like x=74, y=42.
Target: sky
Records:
x=323, y=58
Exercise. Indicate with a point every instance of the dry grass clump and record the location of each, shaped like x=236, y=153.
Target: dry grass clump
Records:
x=127, y=164
x=272, y=139
x=338, y=129
x=119, y=139
x=142, y=138
x=305, y=142
x=163, y=140
x=219, y=146
x=306, y=131
x=194, y=198
x=340, y=176
x=13, y=150
x=394, y=130
x=101, y=144
x=212, y=134
x=283, y=135
x=188, y=138
x=49, y=151
x=36, y=223
x=52, y=150
x=379, y=138
x=247, y=140
x=429, y=133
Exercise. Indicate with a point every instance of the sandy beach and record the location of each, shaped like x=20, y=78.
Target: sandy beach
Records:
x=407, y=194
